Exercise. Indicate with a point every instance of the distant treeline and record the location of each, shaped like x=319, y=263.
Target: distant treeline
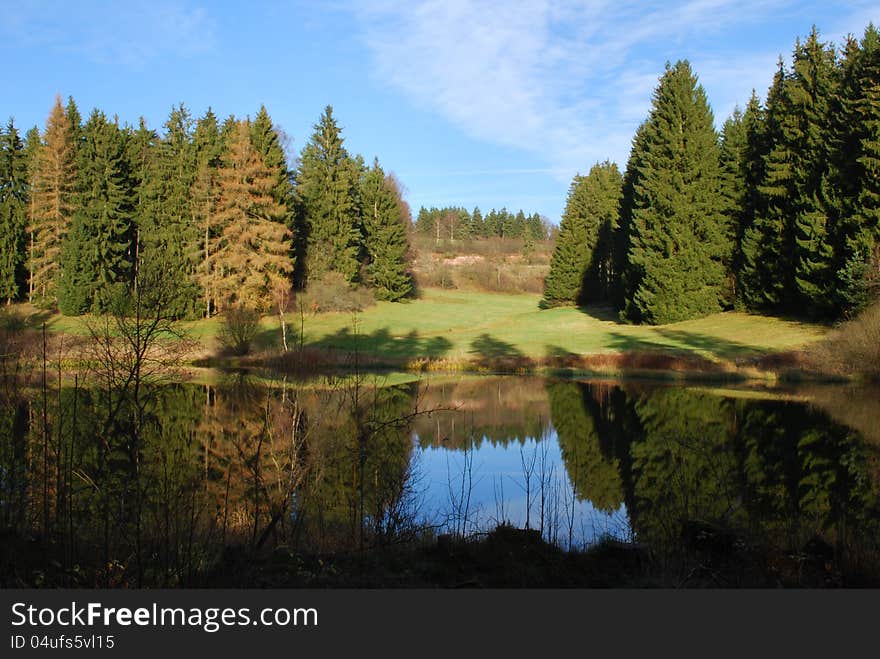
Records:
x=213, y=206
x=779, y=213
x=453, y=223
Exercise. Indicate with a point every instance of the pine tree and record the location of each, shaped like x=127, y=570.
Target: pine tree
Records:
x=535, y=227
x=326, y=184
x=624, y=272
x=385, y=236
x=733, y=188
x=749, y=293
x=856, y=166
x=812, y=85
x=33, y=152
x=51, y=210
x=250, y=257
x=767, y=247
x=142, y=147
x=13, y=211
x=97, y=255
x=678, y=242
x=207, y=156
x=478, y=227
x=580, y=269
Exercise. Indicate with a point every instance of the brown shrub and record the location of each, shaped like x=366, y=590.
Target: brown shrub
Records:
x=853, y=348
x=331, y=292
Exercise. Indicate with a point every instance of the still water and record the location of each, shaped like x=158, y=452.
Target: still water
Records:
x=101, y=487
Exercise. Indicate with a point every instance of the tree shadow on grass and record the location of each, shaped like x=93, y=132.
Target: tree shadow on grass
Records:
x=713, y=345
x=604, y=312
x=381, y=343
x=494, y=354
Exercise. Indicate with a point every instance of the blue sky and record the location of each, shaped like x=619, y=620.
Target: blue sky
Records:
x=492, y=103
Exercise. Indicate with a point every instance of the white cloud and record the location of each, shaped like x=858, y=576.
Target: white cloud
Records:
x=566, y=81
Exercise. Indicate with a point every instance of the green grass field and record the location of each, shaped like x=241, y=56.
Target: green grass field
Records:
x=468, y=325
x=462, y=325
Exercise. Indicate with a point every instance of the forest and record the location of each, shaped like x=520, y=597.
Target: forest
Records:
x=780, y=213
x=776, y=213
x=213, y=206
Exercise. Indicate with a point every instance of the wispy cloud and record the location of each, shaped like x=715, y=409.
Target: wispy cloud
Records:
x=131, y=35
x=565, y=80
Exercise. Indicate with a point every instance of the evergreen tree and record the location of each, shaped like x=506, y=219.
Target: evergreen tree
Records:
x=478, y=228
x=856, y=167
x=767, y=247
x=733, y=187
x=97, y=252
x=207, y=155
x=326, y=184
x=535, y=227
x=624, y=272
x=141, y=155
x=53, y=204
x=580, y=269
x=13, y=211
x=385, y=238
x=33, y=152
x=747, y=205
x=250, y=257
x=810, y=91
x=678, y=242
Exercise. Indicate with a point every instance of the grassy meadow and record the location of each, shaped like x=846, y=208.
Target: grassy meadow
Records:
x=460, y=327
x=470, y=325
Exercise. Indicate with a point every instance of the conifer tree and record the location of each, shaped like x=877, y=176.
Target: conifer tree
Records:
x=385, y=236
x=208, y=149
x=13, y=211
x=326, y=184
x=580, y=269
x=856, y=167
x=678, y=242
x=733, y=188
x=141, y=154
x=250, y=257
x=478, y=228
x=767, y=247
x=269, y=143
x=624, y=272
x=751, y=164
x=97, y=252
x=811, y=88
x=51, y=210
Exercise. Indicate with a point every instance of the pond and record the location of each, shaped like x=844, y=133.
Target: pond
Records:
x=172, y=485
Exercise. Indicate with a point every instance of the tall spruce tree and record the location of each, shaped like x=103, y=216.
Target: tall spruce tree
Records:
x=53, y=201
x=856, y=167
x=751, y=163
x=810, y=92
x=581, y=266
x=166, y=231
x=250, y=258
x=13, y=211
x=141, y=155
x=326, y=184
x=678, y=241
x=625, y=273
x=208, y=146
x=385, y=235
x=733, y=189
x=767, y=247
x=97, y=255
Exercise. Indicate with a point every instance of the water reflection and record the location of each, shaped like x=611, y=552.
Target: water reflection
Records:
x=189, y=481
